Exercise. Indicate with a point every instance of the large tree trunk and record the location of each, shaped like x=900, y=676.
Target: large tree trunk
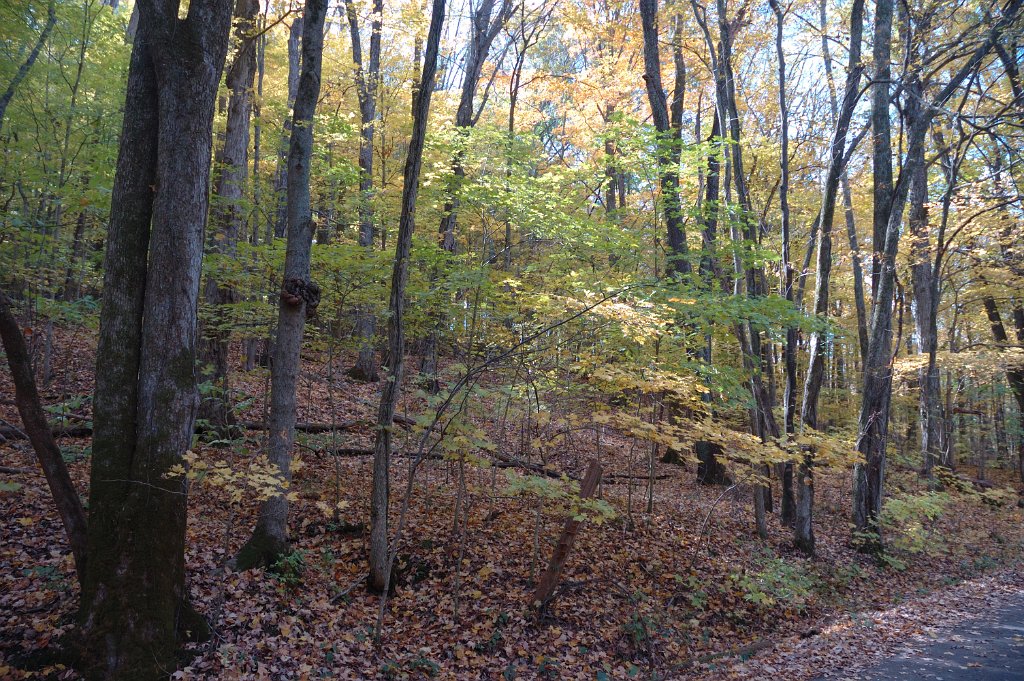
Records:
x=229, y=213
x=299, y=297
x=367, y=78
x=803, y=529
x=881, y=135
x=380, y=558
x=134, y=603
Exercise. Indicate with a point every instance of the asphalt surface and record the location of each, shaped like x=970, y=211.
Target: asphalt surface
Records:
x=989, y=648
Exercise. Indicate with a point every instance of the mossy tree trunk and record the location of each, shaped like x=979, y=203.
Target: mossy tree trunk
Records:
x=134, y=604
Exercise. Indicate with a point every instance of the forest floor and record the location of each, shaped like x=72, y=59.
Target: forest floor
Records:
x=675, y=586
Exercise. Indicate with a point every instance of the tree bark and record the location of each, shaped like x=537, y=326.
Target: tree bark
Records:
x=788, y=511
x=33, y=418
x=395, y=363
x=229, y=213
x=856, y=261
x=367, y=79
x=299, y=297
x=668, y=127
x=280, y=223
x=549, y=580
x=134, y=603
x=804, y=528
x=925, y=307
x=881, y=135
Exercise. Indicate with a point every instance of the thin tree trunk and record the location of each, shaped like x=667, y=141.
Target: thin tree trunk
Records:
x=229, y=213
x=367, y=78
x=26, y=66
x=395, y=363
x=788, y=514
x=668, y=127
x=922, y=275
x=280, y=223
x=485, y=26
x=844, y=181
x=33, y=417
x=804, y=529
x=299, y=297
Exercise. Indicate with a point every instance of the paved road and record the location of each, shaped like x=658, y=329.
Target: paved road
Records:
x=990, y=648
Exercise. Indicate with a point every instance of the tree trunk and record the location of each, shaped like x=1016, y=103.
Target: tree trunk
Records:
x=549, y=580
x=925, y=308
x=33, y=418
x=484, y=28
x=366, y=368
x=874, y=413
x=299, y=297
x=280, y=223
x=668, y=144
x=229, y=215
x=881, y=135
x=804, y=528
x=134, y=603
x=788, y=514
x=395, y=363
x=844, y=181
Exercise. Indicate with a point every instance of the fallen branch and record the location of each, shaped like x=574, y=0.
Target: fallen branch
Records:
x=55, y=431
x=12, y=433
x=505, y=461
x=308, y=427
x=617, y=478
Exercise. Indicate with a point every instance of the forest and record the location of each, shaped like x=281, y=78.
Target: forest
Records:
x=507, y=339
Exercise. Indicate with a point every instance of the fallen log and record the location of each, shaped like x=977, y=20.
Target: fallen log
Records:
x=502, y=462
x=86, y=430
x=308, y=427
x=505, y=461
x=55, y=431
x=618, y=478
